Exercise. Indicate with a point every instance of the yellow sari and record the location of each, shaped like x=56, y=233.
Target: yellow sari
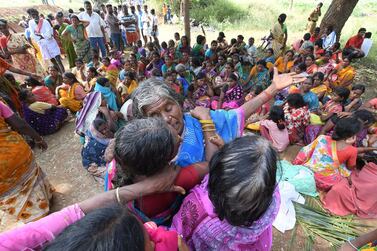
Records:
x=68, y=100
x=345, y=75
x=278, y=32
x=24, y=190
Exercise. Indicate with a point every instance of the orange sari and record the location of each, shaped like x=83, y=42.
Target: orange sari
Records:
x=24, y=191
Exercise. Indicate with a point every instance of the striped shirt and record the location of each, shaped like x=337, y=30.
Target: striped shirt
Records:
x=129, y=27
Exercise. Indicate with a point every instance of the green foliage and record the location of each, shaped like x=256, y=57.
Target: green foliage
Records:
x=221, y=11
x=316, y=222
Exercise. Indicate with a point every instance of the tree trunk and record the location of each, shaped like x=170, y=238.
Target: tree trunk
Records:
x=186, y=7
x=291, y=6
x=337, y=15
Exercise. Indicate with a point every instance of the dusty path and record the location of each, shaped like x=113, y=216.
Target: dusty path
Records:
x=62, y=164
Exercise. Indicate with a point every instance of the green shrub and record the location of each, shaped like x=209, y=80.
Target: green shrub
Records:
x=215, y=12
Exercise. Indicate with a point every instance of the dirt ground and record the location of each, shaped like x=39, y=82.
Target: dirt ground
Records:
x=62, y=161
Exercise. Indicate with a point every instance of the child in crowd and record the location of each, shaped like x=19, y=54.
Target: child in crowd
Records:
x=127, y=86
x=203, y=92
x=273, y=128
x=296, y=114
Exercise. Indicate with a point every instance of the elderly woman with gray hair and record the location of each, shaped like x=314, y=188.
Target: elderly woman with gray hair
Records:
x=200, y=128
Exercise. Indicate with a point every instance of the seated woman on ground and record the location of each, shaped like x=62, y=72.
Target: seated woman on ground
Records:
x=88, y=225
x=311, y=66
x=41, y=92
x=43, y=117
x=172, y=82
x=233, y=204
x=259, y=75
x=319, y=88
x=71, y=93
x=333, y=157
x=231, y=95
x=366, y=117
x=153, y=98
x=342, y=75
x=203, y=91
x=297, y=117
x=109, y=93
x=143, y=148
x=326, y=64
x=332, y=107
x=80, y=71
x=91, y=79
x=352, y=195
x=54, y=79
x=285, y=63
x=109, y=70
x=127, y=86
x=354, y=101
x=273, y=129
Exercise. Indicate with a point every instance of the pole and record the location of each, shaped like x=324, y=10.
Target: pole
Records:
x=186, y=7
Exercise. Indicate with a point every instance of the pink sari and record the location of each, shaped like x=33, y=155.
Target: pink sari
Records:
x=344, y=199
x=43, y=94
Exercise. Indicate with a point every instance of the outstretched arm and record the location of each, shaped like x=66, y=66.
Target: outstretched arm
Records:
x=279, y=82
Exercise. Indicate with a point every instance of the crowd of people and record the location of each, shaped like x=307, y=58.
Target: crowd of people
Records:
x=186, y=140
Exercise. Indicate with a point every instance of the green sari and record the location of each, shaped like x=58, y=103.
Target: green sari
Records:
x=80, y=42
x=67, y=46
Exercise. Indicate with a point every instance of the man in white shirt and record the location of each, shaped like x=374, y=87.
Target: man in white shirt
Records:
x=329, y=38
x=42, y=32
x=154, y=32
x=147, y=23
x=367, y=43
x=95, y=29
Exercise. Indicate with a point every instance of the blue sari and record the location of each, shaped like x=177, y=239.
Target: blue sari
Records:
x=109, y=96
x=229, y=125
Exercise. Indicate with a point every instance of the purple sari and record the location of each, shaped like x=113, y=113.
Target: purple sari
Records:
x=47, y=123
x=200, y=227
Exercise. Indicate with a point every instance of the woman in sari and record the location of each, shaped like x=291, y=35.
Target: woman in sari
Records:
x=110, y=70
x=104, y=86
x=24, y=190
x=332, y=107
x=91, y=79
x=71, y=93
x=41, y=92
x=326, y=64
x=331, y=158
x=19, y=49
x=259, y=76
x=79, y=38
x=285, y=64
x=228, y=210
x=231, y=96
x=198, y=49
x=154, y=98
x=43, y=117
x=279, y=35
x=54, y=79
x=66, y=42
x=7, y=91
x=346, y=197
x=311, y=67
x=343, y=74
